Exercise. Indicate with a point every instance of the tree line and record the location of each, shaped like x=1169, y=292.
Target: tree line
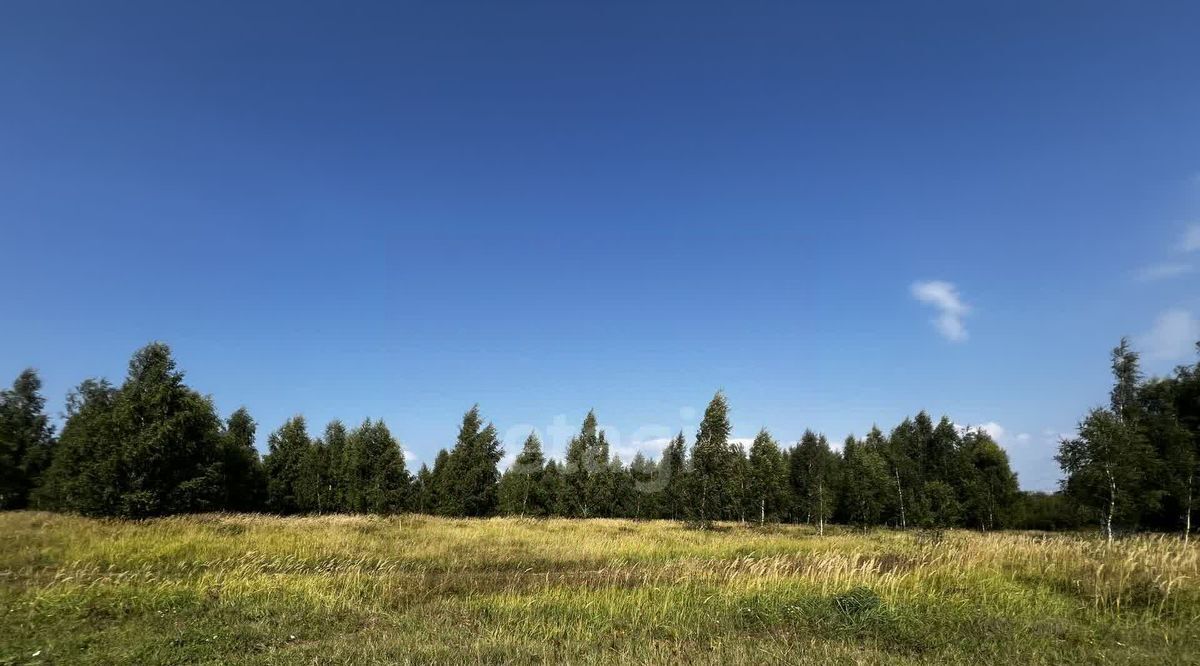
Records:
x=154, y=446
x=1134, y=464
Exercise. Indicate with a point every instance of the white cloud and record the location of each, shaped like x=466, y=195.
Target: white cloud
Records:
x=650, y=448
x=1163, y=271
x=993, y=430
x=1191, y=239
x=1173, y=336
x=951, y=309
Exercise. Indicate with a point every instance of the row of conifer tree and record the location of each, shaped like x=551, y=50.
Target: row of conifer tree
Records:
x=154, y=446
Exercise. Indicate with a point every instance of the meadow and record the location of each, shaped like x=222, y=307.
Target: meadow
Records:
x=253, y=589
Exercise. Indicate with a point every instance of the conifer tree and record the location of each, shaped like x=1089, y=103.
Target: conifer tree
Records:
x=471, y=474
x=441, y=492
x=712, y=463
x=672, y=471
x=579, y=467
x=602, y=479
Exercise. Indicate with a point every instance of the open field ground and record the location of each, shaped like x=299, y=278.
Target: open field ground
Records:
x=414, y=589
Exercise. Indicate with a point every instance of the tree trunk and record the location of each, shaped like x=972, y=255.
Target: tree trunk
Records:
x=762, y=511
x=821, y=509
x=1112, y=505
x=1187, y=521
x=900, y=492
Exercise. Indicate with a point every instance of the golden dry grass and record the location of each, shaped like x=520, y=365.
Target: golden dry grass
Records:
x=416, y=589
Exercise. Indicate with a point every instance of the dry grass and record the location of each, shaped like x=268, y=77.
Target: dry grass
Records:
x=415, y=589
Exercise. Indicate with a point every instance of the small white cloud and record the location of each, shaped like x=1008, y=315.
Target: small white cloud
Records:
x=1173, y=336
x=650, y=448
x=951, y=309
x=1022, y=437
x=993, y=429
x=1191, y=239
x=1163, y=271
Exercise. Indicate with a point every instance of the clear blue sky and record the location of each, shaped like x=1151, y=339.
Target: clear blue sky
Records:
x=399, y=209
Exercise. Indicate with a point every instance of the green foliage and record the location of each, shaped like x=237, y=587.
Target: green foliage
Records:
x=375, y=475
x=987, y=485
x=579, y=467
x=866, y=488
x=289, y=452
x=672, y=472
x=712, y=464
x=26, y=439
x=814, y=475
x=1109, y=465
x=468, y=479
x=521, y=488
x=768, y=478
x=245, y=478
x=153, y=447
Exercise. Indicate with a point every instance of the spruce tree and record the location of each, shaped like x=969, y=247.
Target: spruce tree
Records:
x=471, y=474
x=579, y=466
x=422, y=500
x=712, y=464
x=601, y=486
x=441, y=499
x=672, y=469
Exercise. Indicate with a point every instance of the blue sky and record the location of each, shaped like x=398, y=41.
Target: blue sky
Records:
x=839, y=213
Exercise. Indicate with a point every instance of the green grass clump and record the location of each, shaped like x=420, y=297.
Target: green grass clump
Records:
x=247, y=589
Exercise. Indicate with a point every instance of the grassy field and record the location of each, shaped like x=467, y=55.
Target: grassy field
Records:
x=413, y=589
